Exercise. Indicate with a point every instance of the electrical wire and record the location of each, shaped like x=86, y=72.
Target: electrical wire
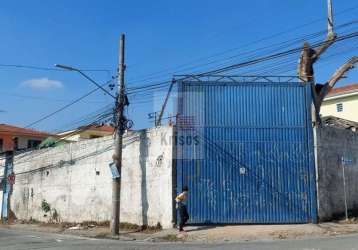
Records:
x=163, y=84
x=250, y=44
x=67, y=105
x=47, y=68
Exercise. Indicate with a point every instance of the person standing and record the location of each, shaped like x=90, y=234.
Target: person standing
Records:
x=181, y=205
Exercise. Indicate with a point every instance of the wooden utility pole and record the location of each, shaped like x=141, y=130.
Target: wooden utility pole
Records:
x=120, y=123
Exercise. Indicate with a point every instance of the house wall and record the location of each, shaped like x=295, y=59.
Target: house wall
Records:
x=7, y=142
x=332, y=145
x=84, y=135
x=1, y=200
x=75, y=180
x=23, y=140
x=350, y=110
x=72, y=138
x=2, y=169
x=89, y=133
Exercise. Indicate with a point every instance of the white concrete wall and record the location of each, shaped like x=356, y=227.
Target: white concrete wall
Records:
x=147, y=179
x=2, y=168
x=75, y=180
x=1, y=197
x=73, y=189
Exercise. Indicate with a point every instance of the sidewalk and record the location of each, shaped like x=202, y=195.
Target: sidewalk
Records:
x=208, y=234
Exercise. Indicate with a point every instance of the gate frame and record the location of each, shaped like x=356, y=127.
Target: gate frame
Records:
x=269, y=79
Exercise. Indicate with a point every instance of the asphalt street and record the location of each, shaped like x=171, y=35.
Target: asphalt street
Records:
x=21, y=240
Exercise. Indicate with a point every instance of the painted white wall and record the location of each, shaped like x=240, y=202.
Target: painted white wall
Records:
x=23, y=140
x=350, y=107
x=1, y=197
x=2, y=169
x=74, y=190
x=147, y=179
x=75, y=180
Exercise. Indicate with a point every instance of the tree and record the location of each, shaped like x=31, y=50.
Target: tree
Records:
x=311, y=55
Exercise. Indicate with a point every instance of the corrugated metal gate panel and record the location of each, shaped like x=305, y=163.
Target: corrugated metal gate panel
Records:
x=246, y=152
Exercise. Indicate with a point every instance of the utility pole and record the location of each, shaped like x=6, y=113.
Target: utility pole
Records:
x=330, y=17
x=120, y=123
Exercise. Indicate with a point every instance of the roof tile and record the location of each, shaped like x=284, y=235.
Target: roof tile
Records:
x=10, y=129
x=345, y=89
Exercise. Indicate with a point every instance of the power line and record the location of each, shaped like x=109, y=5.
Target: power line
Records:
x=282, y=44
x=249, y=44
x=41, y=98
x=88, y=117
x=253, y=61
x=47, y=68
x=67, y=105
x=273, y=56
x=290, y=61
x=63, y=139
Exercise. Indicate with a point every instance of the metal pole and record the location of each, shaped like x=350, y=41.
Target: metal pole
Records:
x=116, y=184
x=330, y=17
x=344, y=188
x=159, y=121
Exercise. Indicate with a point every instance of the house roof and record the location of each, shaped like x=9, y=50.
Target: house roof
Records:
x=10, y=129
x=337, y=122
x=351, y=88
x=102, y=128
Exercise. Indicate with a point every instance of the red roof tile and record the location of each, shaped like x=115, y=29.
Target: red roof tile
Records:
x=10, y=129
x=102, y=128
x=345, y=89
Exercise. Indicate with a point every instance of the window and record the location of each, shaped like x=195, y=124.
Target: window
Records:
x=33, y=143
x=1, y=145
x=94, y=136
x=16, y=143
x=339, y=107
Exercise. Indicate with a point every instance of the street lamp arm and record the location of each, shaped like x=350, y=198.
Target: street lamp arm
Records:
x=65, y=67
x=95, y=83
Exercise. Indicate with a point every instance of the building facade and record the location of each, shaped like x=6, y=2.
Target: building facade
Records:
x=86, y=132
x=342, y=102
x=246, y=151
x=17, y=138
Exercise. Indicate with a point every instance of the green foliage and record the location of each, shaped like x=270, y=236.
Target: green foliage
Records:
x=55, y=215
x=45, y=206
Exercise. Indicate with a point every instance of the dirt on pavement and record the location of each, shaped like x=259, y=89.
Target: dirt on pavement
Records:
x=210, y=233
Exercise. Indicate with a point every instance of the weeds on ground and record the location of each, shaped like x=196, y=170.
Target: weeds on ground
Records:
x=142, y=229
x=172, y=238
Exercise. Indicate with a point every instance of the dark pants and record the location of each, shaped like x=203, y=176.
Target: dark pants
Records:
x=184, y=216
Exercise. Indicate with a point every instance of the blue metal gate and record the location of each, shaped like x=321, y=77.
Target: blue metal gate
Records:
x=245, y=151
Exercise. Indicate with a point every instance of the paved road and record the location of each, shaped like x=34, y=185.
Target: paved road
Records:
x=21, y=240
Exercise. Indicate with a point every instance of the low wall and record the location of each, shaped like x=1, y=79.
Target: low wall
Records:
x=336, y=147
x=2, y=184
x=75, y=181
x=146, y=194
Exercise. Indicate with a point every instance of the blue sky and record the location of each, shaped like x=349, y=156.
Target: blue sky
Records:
x=160, y=36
